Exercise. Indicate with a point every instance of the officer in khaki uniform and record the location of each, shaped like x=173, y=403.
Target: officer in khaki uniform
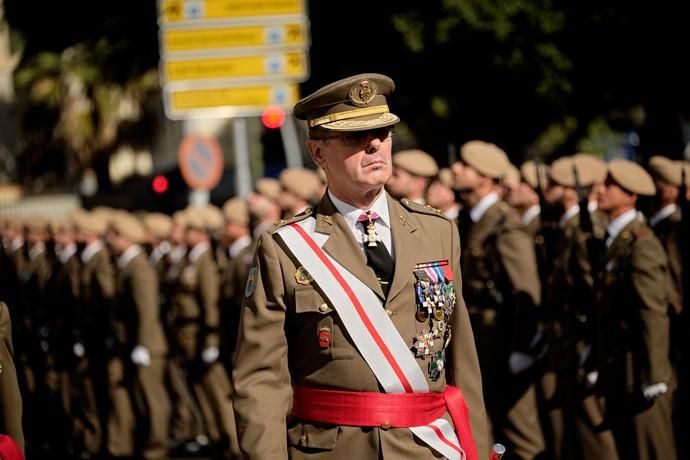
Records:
x=412, y=173
x=292, y=335
x=635, y=372
x=502, y=290
x=139, y=401
x=10, y=397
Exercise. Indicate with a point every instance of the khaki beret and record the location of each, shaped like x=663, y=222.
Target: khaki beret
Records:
x=36, y=224
x=446, y=177
x=236, y=211
x=157, y=224
x=594, y=164
x=194, y=218
x=90, y=223
x=60, y=224
x=528, y=171
x=685, y=165
x=211, y=217
x=355, y=103
x=416, y=162
x=179, y=218
x=512, y=176
x=563, y=171
x=128, y=227
x=303, y=182
x=632, y=177
x=488, y=159
x=268, y=186
x=666, y=170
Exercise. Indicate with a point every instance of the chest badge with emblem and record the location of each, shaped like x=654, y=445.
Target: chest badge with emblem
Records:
x=302, y=276
x=250, y=287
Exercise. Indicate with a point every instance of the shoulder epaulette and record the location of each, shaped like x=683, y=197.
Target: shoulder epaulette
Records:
x=422, y=208
x=296, y=218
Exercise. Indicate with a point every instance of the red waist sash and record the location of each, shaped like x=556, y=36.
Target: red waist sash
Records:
x=385, y=410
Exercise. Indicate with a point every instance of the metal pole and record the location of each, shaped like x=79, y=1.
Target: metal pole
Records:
x=293, y=153
x=243, y=173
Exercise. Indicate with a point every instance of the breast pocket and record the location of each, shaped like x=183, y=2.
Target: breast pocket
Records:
x=320, y=327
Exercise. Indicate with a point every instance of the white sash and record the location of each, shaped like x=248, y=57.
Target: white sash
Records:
x=370, y=327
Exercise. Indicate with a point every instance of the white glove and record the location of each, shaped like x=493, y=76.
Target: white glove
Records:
x=592, y=377
x=141, y=356
x=78, y=350
x=651, y=392
x=518, y=362
x=210, y=354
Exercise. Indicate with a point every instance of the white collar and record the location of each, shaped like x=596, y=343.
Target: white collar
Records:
x=177, y=253
x=618, y=224
x=67, y=252
x=91, y=250
x=592, y=206
x=198, y=250
x=485, y=203
x=452, y=212
x=569, y=214
x=529, y=215
x=36, y=250
x=16, y=244
x=662, y=214
x=238, y=245
x=127, y=256
x=351, y=213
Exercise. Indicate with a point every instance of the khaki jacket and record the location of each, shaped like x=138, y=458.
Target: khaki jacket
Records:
x=138, y=307
x=278, y=342
x=668, y=232
x=635, y=327
x=10, y=398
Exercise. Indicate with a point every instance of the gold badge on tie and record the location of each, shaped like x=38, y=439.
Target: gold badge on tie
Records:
x=302, y=276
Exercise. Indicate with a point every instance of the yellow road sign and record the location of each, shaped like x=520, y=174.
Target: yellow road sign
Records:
x=293, y=65
x=239, y=36
x=189, y=10
x=247, y=100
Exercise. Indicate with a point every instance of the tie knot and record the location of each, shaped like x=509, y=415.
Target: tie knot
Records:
x=368, y=216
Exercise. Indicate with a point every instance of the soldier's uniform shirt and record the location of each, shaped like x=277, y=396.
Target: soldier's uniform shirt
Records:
x=10, y=397
x=635, y=335
x=279, y=346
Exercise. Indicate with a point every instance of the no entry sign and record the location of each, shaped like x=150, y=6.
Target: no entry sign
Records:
x=201, y=162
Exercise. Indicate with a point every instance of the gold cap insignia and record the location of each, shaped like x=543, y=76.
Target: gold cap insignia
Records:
x=363, y=92
x=302, y=276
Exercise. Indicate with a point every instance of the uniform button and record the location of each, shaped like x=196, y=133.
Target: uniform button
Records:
x=385, y=426
x=323, y=308
x=389, y=311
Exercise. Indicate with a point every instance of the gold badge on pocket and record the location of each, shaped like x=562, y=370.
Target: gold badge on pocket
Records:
x=302, y=276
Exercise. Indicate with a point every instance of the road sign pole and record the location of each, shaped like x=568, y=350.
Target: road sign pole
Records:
x=293, y=152
x=243, y=173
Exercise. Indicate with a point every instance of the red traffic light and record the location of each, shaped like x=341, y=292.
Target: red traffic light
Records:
x=160, y=184
x=273, y=117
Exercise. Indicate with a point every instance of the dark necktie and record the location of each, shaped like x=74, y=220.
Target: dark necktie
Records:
x=378, y=257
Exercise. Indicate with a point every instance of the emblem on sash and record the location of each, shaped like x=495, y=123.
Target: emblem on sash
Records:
x=435, y=296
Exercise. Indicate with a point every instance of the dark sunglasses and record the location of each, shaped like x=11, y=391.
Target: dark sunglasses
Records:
x=356, y=138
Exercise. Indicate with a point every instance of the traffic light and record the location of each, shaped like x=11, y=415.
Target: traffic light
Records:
x=160, y=184
x=273, y=117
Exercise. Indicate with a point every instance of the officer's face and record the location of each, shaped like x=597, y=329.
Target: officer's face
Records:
x=354, y=164
x=613, y=199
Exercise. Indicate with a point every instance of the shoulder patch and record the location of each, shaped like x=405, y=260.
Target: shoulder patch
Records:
x=296, y=218
x=422, y=208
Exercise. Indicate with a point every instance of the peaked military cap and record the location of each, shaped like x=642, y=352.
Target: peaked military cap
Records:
x=356, y=103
